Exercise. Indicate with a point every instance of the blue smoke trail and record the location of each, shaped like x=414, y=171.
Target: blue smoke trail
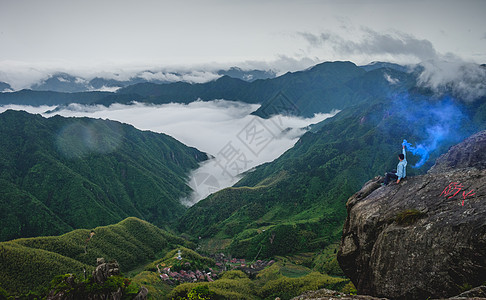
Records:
x=435, y=123
x=420, y=150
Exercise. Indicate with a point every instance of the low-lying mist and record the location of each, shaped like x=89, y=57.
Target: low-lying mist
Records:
x=237, y=140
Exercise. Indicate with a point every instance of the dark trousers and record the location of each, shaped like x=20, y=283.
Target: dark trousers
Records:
x=390, y=175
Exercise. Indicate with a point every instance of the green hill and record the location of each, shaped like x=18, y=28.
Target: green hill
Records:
x=59, y=174
x=297, y=202
x=30, y=263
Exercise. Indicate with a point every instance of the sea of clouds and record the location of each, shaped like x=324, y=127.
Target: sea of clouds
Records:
x=236, y=140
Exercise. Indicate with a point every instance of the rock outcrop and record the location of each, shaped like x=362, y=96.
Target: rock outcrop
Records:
x=424, y=237
x=72, y=288
x=475, y=293
x=104, y=270
x=478, y=293
x=325, y=294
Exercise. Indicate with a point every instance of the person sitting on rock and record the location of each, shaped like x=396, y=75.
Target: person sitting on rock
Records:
x=401, y=171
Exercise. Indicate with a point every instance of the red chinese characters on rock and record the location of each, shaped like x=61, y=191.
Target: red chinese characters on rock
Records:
x=453, y=189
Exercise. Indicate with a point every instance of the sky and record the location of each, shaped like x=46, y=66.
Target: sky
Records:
x=111, y=35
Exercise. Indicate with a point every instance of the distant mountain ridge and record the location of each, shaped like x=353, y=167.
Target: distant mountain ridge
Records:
x=320, y=89
x=66, y=83
x=37, y=98
x=378, y=65
x=81, y=173
x=5, y=87
x=250, y=75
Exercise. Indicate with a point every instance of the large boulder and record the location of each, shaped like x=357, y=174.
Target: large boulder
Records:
x=105, y=270
x=424, y=237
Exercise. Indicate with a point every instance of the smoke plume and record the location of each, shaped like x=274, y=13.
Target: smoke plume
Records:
x=433, y=123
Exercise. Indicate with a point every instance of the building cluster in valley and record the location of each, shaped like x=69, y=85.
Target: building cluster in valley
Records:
x=187, y=274
x=181, y=276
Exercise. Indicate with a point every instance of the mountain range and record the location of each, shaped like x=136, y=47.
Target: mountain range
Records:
x=67, y=83
x=322, y=88
x=81, y=173
x=315, y=176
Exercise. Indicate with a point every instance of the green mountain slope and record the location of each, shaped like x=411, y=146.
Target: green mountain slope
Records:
x=29, y=263
x=82, y=173
x=297, y=202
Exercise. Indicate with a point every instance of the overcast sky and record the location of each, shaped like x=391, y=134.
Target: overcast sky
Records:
x=104, y=34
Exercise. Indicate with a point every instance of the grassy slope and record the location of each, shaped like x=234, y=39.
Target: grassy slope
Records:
x=283, y=280
x=30, y=263
x=81, y=173
x=286, y=278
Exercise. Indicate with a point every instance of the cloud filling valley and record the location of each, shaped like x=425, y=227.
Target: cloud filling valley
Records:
x=226, y=130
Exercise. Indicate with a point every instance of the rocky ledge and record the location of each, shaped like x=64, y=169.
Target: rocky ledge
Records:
x=424, y=237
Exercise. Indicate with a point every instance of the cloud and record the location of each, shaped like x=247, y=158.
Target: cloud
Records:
x=21, y=75
x=395, y=45
x=199, y=77
x=313, y=39
x=107, y=89
x=282, y=64
x=191, y=77
x=237, y=140
x=390, y=79
x=464, y=80
x=150, y=76
x=442, y=73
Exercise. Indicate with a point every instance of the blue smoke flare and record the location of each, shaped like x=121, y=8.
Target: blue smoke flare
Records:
x=434, y=123
x=419, y=150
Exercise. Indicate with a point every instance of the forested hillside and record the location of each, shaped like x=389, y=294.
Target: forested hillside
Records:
x=30, y=263
x=59, y=174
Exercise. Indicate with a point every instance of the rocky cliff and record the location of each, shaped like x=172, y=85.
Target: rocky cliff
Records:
x=424, y=237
